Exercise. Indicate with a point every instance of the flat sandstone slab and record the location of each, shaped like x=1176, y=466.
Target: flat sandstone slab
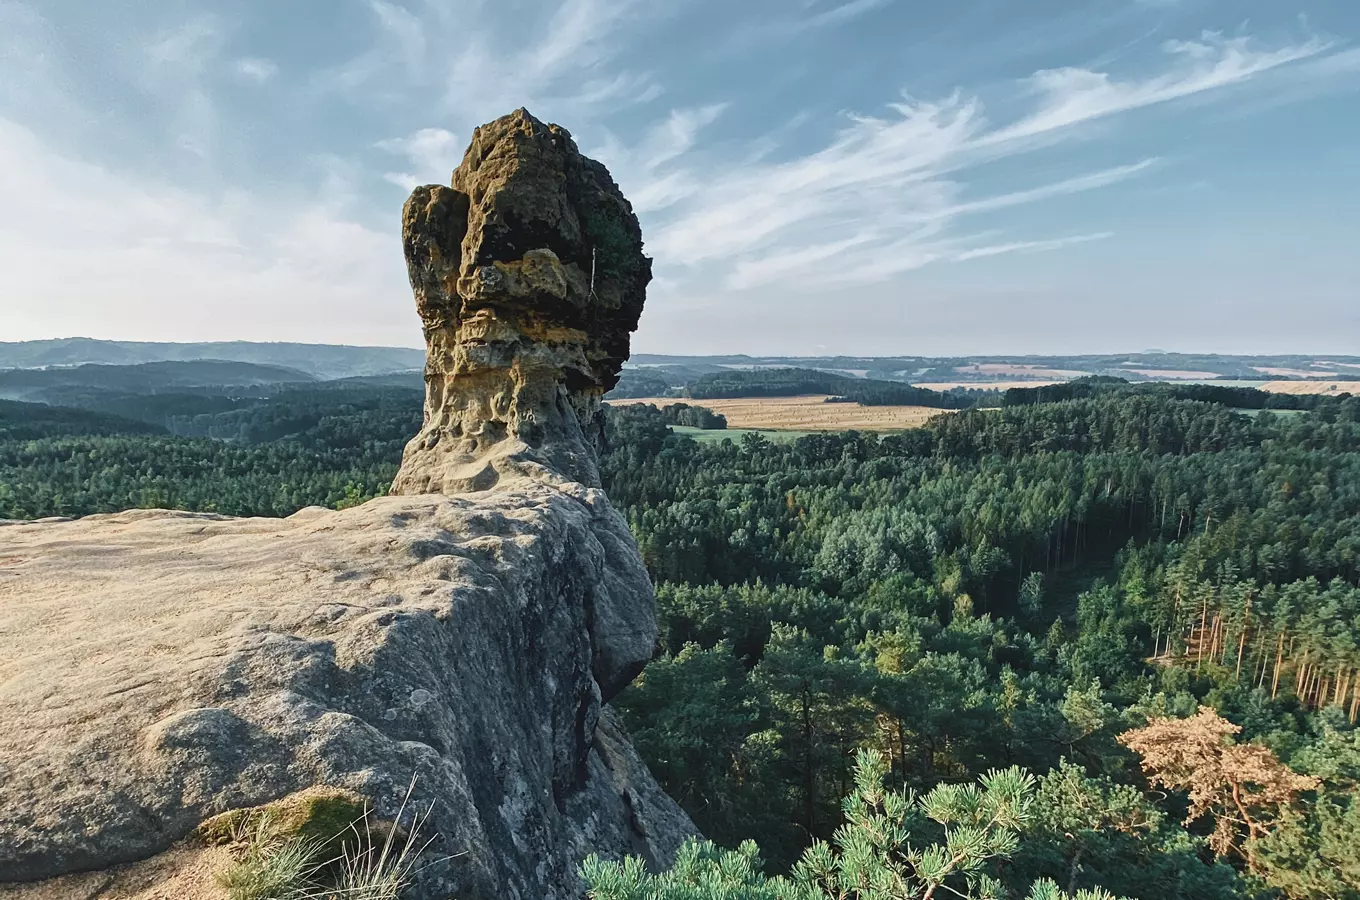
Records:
x=158, y=667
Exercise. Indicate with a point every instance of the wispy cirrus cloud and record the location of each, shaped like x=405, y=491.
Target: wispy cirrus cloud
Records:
x=838, y=14
x=1070, y=96
x=887, y=193
x=890, y=192
x=815, y=16
x=645, y=164
x=1031, y=246
x=561, y=64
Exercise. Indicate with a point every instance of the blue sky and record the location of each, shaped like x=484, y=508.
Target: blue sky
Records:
x=812, y=176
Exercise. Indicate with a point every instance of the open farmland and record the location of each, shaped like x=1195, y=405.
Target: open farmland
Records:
x=1312, y=387
x=1295, y=373
x=807, y=413
x=983, y=385
x=1018, y=370
x=1172, y=374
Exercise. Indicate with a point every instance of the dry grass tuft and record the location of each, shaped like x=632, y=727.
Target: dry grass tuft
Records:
x=365, y=859
x=271, y=867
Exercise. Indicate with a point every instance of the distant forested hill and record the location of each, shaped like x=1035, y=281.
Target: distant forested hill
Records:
x=241, y=456
x=318, y=360
x=1148, y=365
x=146, y=378
x=794, y=382
x=34, y=421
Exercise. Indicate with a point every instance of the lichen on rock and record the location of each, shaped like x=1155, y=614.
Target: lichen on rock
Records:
x=529, y=277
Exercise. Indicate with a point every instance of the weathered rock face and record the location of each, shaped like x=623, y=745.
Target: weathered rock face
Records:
x=529, y=278
x=159, y=667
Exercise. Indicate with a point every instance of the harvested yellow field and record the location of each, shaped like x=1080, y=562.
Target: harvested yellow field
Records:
x=981, y=385
x=809, y=413
x=1295, y=373
x=1312, y=387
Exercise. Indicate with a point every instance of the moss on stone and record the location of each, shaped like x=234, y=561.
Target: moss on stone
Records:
x=317, y=814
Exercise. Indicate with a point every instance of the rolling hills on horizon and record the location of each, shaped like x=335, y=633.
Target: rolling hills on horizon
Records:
x=321, y=361
x=335, y=361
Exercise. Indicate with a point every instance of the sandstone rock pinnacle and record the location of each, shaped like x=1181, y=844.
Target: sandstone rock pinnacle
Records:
x=162, y=667
x=529, y=277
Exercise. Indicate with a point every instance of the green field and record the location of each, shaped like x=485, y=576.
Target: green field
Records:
x=710, y=436
x=1225, y=382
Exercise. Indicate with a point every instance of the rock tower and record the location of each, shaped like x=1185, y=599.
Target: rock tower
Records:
x=529, y=277
x=161, y=667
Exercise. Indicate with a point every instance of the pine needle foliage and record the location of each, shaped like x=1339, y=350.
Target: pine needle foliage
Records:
x=881, y=852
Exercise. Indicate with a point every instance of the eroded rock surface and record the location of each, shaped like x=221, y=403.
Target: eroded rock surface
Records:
x=158, y=667
x=529, y=278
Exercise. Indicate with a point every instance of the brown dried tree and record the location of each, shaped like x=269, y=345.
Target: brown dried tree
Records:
x=1244, y=787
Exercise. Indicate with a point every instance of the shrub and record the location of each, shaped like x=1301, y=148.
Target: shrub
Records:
x=894, y=845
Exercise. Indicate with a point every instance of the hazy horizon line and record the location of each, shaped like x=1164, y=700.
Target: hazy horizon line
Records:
x=784, y=355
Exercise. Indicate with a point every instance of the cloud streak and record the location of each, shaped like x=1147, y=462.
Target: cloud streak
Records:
x=1071, y=96
x=559, y=63
x=888, y=192
x=1031, y=246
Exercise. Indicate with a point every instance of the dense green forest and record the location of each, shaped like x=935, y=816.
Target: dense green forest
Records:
x=793, y=382
x=1011, y=587
x=712, y=382
x=1226, y=395
x=863, y=635
x=258, y=457
x=145, y=378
